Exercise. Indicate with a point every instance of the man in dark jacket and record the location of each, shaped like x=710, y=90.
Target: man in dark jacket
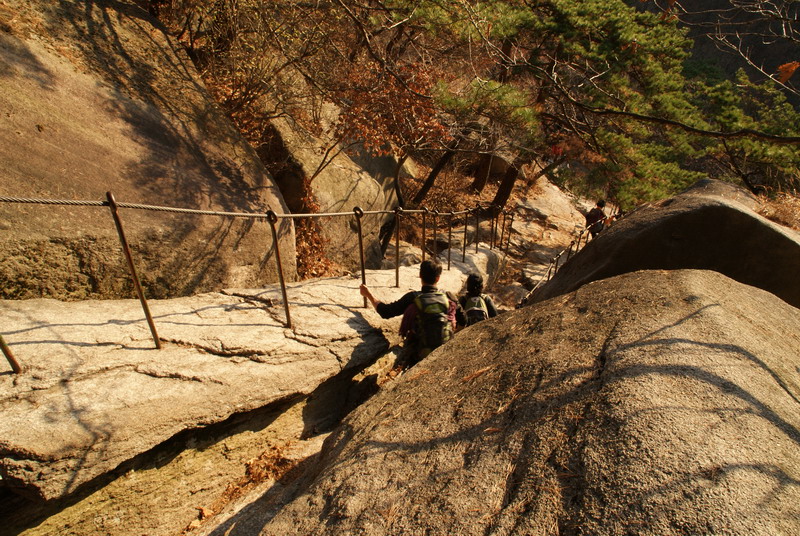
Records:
x=428, y=314
x=595, y=219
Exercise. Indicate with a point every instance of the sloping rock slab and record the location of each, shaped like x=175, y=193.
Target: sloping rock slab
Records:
x=96, y=97
x=653, y=403
x=96, y=393
x=710, y=227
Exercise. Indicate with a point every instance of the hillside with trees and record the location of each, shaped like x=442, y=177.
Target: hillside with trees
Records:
x=604, y=97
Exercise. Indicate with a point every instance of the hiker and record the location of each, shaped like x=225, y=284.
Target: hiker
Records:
x=429, y=315
x=475, y=305
x=595, y=219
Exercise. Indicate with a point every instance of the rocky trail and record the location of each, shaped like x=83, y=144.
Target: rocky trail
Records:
x=102, y=430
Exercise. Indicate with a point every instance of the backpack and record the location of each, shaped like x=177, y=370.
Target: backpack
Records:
x=475, y=309
x=433, y=327
x=595, y=220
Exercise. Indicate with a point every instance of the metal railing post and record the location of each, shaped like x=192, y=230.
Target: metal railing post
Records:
x=359, y=214
x=449, y=238
x=272, y=218
x=397, y=212
x=112, y=204
x=15, y=366
x=502, y=229
x=424, y=231
x=569, y=249
x=435, y=232
x=492, y=226
x=510, y=228
x=477, y=226
x=464, y=241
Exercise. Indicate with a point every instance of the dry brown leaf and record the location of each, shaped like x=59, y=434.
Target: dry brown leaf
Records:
x=204, y=513
x=419, y=374
x=476, y=374
x=787, y=70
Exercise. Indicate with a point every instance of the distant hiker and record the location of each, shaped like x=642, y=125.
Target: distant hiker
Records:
x=595, y=218
x=475, y=305
x=429, y=315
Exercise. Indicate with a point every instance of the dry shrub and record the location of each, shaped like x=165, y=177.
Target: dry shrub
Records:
x=783, y=208
x=270, y=465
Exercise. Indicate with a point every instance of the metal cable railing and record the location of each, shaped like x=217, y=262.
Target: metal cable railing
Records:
x=272, y=218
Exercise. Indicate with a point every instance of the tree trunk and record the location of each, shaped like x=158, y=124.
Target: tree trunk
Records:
x=387, y=229
x=506, y=186
x=548, y=168
x=443, y=160
x=481, y=177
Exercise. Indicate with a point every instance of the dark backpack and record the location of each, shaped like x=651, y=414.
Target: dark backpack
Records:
x=433, y=327
x=595, y=220
x=475, y=309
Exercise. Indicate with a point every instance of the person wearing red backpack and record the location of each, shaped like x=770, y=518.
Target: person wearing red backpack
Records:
x=475, y=305
x=429, y=315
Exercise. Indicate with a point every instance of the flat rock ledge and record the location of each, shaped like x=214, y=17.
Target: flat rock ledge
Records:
x=95, y=392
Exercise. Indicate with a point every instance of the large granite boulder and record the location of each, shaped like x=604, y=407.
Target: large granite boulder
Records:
x=96, y=98
x=711, y=226
x=652, y=403
x=95, y=393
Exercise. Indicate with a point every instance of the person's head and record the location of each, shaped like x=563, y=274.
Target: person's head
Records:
x=474, y=284
x=429, y=272
x=601, y=203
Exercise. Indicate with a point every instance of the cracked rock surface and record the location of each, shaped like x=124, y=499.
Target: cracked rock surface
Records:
x=95, y=392
x=651, y=403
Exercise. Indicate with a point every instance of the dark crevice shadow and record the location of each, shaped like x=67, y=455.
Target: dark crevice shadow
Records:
x=324, y=411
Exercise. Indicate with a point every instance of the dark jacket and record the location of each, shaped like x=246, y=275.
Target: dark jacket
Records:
x=594, y=220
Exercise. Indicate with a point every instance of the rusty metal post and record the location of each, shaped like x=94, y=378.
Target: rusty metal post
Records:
x=424, y=230
x=492, y=226
x=449, y=238
x=464, y=241
x=397, y=212
x=502, y=229
x=11, y=359
x=435, y=232
x=510, y=228
x=112, y=204
x=360, y=214
x=569, y=250
x=477, y=226
x=272, y=218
